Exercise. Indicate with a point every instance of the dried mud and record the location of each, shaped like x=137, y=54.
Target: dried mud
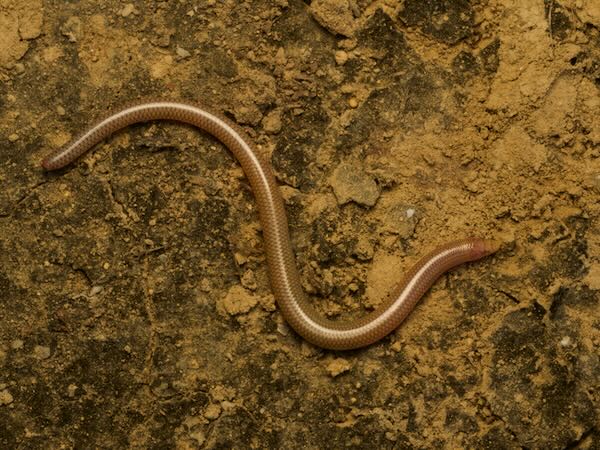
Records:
x=135, y=309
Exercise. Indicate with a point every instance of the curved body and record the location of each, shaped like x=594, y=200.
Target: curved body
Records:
x=285, y=280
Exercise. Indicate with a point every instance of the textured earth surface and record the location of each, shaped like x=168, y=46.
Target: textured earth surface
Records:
x=135, y=309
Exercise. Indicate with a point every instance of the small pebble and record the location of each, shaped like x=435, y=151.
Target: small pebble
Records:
x=364, y=249
x=127, y=10
x=41, y=352
x=350, y=183
x=5, y=398
x=182, y=52
x=341, y=57
x=13, y=137
x=198, y=436
x=212, y=412
x=227, y=405
x=565, y=341
x=71, y=389
x=272, y=122
x=396, y=346
x=237, y=301
x=249, y=280
x=95, y=290
x=338, y=366
x=283, y=329
x=240, y=259
x=353, y=103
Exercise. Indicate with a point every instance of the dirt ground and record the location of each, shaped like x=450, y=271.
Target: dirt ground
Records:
x=135, y=308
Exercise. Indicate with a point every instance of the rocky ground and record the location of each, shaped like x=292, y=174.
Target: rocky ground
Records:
x=135, y=309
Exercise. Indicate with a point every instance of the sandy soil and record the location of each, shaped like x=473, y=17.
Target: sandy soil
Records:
x=135, y=309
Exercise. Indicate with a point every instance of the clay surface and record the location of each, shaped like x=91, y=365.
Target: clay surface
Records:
x=135, y=308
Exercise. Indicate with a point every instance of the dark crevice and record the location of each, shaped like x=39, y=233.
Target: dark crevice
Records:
x=510, y=296
x=577, y=443
x=85, y=275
